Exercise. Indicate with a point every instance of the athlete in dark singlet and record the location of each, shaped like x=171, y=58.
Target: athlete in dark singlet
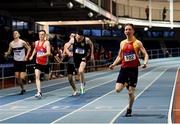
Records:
x=70, y=66
x=80, y=54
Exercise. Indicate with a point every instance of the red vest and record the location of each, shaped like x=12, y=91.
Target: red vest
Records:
x=130, y=58
x=40, y=50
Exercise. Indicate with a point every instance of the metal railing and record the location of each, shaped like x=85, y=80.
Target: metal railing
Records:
x=160, y=53
x=60, y=69
x=57, y=70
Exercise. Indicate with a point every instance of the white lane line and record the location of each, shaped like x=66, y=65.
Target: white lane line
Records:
x=53, y=101
x=172, y=99
x=65, y=97
x=31, y=110
x=82, y=107
x=118, y=114
x=46, y=93
x=147, y=73
x=45, y=86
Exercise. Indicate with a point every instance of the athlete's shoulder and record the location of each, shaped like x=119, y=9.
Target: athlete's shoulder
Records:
x=138, y=42
x=88, y=40
x=71, y=41
x=22, y=41
x=123, y=42
x=11, y=42
x=47, y=41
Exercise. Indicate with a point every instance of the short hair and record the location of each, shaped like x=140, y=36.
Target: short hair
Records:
x=42, y=31
x=129, y=24
x=17, y=31
x=79, y=32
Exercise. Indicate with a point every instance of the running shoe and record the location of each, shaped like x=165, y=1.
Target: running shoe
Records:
x=75, y=93
x=38, y=95
x=22, y=92
x=128, y=113
x=82, y=90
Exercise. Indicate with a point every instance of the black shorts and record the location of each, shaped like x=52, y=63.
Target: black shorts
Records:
x=43, y=68
x=128, y=75
x=71, y=68
x=77, y=61
x=19, y=66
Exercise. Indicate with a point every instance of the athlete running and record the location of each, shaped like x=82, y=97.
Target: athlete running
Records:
x=82, y=49
x=18, y=46
x=129, y=58
x=70, y=65
x=43, y=51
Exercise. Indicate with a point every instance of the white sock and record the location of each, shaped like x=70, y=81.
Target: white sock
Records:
x=82, y=85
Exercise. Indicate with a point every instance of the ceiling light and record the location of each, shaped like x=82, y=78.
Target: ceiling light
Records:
x=51, y=4
x=90, y=14
x=119, y=26
x=145, y=28
x=70, y=5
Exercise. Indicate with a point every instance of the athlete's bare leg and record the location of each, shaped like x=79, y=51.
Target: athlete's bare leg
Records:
x=38, y=82
x=81, y=72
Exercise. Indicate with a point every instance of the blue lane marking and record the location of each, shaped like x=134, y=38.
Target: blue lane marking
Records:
x=65, y=104
x=47, y=114
x=153, y=105
x=13, y=98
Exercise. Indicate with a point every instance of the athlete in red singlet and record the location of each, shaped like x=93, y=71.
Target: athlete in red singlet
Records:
x=129, y=58
x=43, y=51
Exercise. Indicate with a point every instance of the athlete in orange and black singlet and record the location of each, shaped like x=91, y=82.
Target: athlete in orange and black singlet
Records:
x=129, y=58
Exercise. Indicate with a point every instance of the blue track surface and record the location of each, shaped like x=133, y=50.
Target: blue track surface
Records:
x=100, y=104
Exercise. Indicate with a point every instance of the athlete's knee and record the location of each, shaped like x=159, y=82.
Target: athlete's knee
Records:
x=131, y=92
x=117, y=90
x=81, y=72
x=37, y=77
x=118, y=87
x=70, y=77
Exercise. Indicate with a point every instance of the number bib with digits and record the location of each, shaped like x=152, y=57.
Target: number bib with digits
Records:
x=17, y=53
x=129, y=57
x=40, y=53
x=79, y=51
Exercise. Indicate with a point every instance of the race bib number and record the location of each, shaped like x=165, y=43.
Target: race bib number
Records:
x=40, y=53
x=129, y=57
x=79, y=51
x=17, y=53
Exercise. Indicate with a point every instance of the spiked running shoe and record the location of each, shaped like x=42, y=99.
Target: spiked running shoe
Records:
x=82, y=90
x=38, y=95
x=128, y=113
x=22, y=92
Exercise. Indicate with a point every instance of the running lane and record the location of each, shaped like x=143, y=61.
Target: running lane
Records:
x=100, y=104
x=153, y=105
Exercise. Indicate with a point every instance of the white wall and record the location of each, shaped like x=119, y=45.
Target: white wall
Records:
x=135, y=9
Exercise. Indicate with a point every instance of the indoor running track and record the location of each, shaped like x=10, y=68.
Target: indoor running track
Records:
x=100, y=103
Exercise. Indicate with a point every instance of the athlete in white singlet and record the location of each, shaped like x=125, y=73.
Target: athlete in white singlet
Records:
x=18, y=46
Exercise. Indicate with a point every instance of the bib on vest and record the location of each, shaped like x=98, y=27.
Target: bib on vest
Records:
x=136, y=49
